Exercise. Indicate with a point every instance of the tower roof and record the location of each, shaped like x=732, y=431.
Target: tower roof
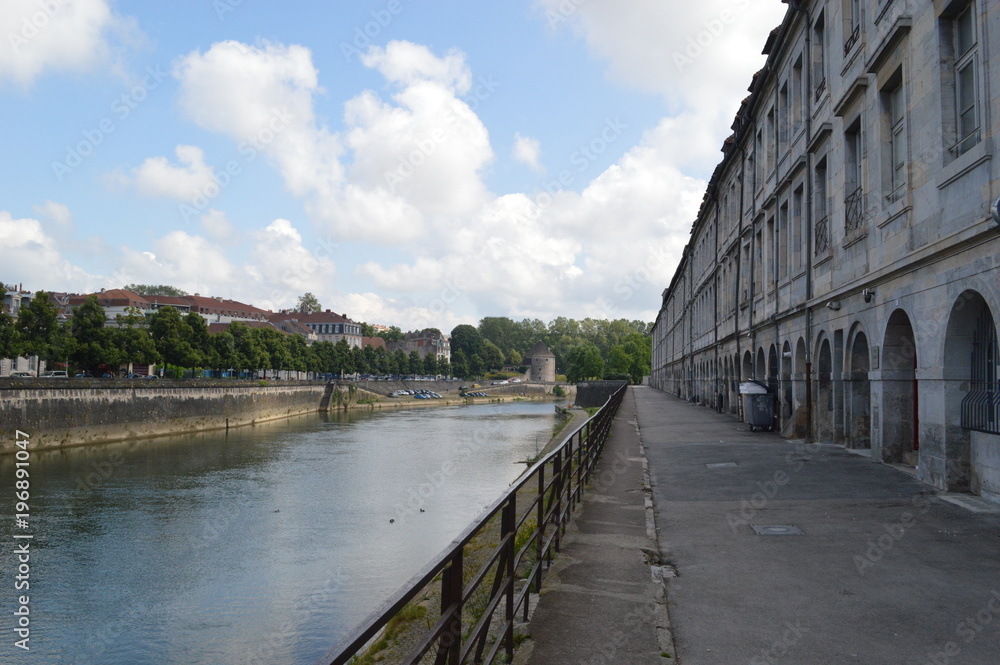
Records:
x=539, y=350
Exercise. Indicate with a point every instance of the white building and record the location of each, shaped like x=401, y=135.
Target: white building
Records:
x=845, y=252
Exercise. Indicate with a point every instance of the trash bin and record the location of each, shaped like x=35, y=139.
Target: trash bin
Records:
x=758, y=405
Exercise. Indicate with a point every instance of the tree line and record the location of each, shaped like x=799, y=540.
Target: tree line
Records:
x=177, y=341
x=587, y=349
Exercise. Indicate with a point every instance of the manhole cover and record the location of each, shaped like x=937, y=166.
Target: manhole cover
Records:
x=777, y=530
x=721, y=465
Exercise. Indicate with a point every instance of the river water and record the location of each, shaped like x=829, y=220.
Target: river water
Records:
x=266, y=544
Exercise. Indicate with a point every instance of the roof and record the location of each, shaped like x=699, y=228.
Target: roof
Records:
x=375, y=342
x=539, y=350
x=113, y=298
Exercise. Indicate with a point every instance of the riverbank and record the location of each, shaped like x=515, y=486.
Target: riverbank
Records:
x=74, y=412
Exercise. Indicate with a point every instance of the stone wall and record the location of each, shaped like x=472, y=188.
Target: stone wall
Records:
x=596, y=393
x=73, y=412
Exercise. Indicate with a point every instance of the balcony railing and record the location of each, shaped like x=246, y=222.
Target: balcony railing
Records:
x=852, y=40
x=822, y=236
x=855, y=212
x=820, y=89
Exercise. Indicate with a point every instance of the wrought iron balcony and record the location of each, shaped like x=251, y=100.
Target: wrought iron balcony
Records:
x=855, y=212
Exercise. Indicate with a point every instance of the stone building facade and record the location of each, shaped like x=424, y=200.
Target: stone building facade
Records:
x=847, y=249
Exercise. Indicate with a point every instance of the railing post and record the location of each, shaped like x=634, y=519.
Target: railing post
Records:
x=510, y=527
x=557, y=483
x=540, y=536
x=451, y=594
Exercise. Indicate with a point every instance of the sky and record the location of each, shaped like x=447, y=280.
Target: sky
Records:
x=411, y=163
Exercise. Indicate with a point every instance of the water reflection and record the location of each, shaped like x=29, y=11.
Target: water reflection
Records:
x=262, y=544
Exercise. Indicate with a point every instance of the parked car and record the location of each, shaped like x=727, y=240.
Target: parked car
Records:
x=83, y=375
x=55, y=374
x=21, y=375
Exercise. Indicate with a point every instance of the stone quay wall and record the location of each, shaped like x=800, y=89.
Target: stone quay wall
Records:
x=72, y=412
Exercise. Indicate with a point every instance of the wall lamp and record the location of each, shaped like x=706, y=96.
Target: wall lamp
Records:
x=833, y=305
x=995, y=211
x=869, y=294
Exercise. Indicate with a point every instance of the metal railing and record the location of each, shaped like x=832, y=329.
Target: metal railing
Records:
x=520, y=553
x=854, y=206
x=822, y=236
x=981, y=405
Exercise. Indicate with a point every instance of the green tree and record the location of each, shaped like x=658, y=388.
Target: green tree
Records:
x=585, y=362
x=499, y=330
x=400, y=362
x=466, y=339
x=249, y=347
x=40, y=331
x=91, y=335
x=8, y=336
x=172, y=338
x=430, y=364
x=492, y=355
x=155, y=290
x=619, y=360
x=308, y=303
x=130, y=341
x=195, y=332
x=475, y=365
x=459, y=364
x=514, y=358
x=415, y=364
x=225, y=356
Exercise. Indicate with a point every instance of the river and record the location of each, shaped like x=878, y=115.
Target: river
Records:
x=266, y=544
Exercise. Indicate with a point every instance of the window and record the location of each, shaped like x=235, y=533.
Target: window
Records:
x=821, y=237
x=852, y=24
x=966, y=84
x=772, y=134
x=853, y=168
x=782, y=122
x=819, y=55
x=796, y=228
x=782, y=241
x=798, y=100
x=894, y=146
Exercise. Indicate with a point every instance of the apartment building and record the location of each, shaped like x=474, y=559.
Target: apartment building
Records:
x=847, y=249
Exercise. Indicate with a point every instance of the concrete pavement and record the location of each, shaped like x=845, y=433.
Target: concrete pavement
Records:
x=785, y=552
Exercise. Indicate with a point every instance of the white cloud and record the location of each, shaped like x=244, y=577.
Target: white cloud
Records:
x=57, y=214
x=528, y=151
x=217, y=226
x=704, y=53
x=189, y=262
x=408, y=64
x=415, y=158
x=68, y=35
x=30, y=256
x=283, y=268
x=158, y=177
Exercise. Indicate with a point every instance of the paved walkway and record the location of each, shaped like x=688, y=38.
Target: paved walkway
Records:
x=885, y=571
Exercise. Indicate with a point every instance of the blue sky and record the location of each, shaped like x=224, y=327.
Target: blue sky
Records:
x=411, y=163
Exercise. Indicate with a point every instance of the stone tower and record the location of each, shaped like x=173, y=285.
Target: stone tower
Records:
x=543, y=363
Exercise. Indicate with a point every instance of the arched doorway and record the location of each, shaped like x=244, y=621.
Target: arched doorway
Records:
x=900, y=435
x=971, y=403
x=859, y=391
x=747, y=366
x=760, y=369
x=824, y=394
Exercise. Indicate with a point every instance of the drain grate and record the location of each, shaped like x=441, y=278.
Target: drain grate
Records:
x=777, y=530
x=721, y=465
